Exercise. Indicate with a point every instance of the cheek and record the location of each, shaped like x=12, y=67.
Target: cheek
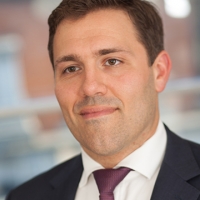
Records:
x=66, y=101
x=129, y=84
x=64, y=95
x=132, y=88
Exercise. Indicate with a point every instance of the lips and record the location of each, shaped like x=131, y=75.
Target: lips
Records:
x=95, y=112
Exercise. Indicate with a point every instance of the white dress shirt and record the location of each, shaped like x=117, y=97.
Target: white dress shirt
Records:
x=138, y=184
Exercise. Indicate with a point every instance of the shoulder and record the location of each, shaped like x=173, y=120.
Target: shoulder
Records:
x=40, y=185
x=195, y=149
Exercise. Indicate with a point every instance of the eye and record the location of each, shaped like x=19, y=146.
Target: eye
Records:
x=71, y=69
x=112, y=62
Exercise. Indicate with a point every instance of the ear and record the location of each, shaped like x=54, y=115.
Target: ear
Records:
x=161, y=69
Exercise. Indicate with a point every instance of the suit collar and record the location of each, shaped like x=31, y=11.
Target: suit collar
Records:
x=180, y=158
x=179, y=166
x=65, y=183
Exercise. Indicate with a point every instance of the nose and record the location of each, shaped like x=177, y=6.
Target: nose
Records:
x=93, y=83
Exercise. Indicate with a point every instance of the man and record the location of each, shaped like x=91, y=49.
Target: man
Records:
x=110, y=64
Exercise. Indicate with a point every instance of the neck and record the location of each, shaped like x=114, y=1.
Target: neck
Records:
x=111, y=160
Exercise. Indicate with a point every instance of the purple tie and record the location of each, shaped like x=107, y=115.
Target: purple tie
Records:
x=108, y=179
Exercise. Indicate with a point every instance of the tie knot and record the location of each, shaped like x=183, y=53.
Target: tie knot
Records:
x=108, y=179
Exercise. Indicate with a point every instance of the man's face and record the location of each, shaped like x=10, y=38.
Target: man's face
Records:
x=103, y=83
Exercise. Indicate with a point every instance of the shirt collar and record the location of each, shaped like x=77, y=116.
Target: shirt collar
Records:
x=89, y=166
x=148, y=158
x=145, y=160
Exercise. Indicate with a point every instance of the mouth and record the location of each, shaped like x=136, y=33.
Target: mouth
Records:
x=96, y=112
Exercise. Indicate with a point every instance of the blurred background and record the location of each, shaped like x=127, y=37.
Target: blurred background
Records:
x=33, y=134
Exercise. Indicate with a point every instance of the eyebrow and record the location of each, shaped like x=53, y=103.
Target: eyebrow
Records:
x=103, y=52
x=75, y=58
x=66, y=58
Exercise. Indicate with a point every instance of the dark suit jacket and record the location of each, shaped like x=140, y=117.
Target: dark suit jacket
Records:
x=178, y=179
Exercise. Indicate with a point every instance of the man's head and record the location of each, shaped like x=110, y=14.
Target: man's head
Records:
x=144, y=17
x=104, y=85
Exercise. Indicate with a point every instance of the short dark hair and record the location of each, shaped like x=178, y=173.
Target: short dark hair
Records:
x=143, y=14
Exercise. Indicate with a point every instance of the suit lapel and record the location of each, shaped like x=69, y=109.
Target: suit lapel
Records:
x=170, y=186
x=179, y=166
x=65, y=184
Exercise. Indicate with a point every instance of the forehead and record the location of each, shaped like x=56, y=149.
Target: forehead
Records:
x=96, y=29
x=100, y=18
x=110, y=20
